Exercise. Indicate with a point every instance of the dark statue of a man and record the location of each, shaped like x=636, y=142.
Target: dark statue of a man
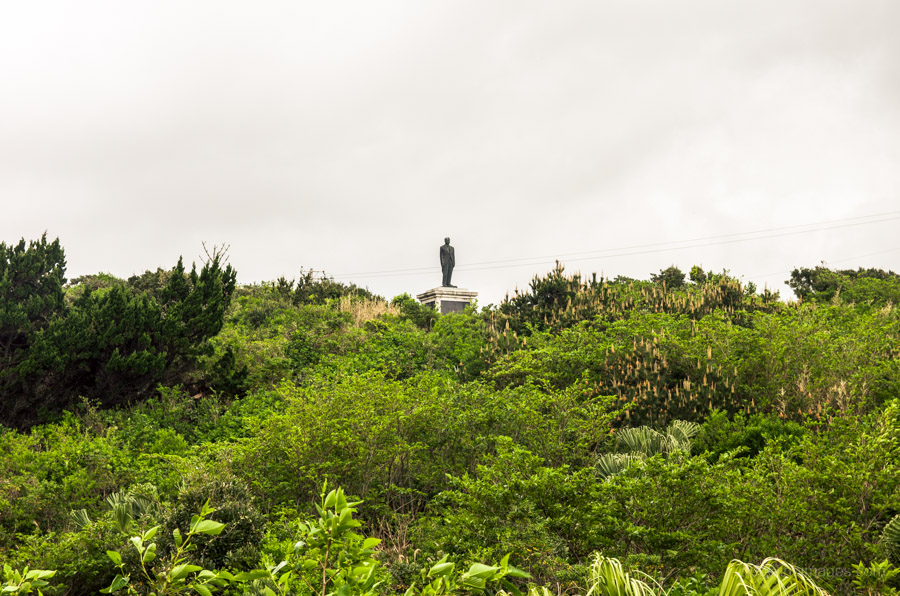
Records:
x=448, y=260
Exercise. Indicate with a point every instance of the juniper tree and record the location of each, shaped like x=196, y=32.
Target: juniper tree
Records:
x=113, y=345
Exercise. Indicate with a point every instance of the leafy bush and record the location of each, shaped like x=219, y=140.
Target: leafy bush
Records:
x=861, y=286
x=393, y=442
x=804, y=360
x=419, y=315
x=513, y=504
x=237, y=547
x=25, y=581
x=749, y=435
x=173, y=573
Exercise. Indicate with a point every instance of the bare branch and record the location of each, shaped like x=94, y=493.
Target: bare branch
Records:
x=218, y=252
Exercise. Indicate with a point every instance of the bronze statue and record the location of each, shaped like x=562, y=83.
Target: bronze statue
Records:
x=448, y=260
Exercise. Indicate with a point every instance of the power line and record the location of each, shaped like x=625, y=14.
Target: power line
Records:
x=643, y=252
x=508, y=263
x=635, y=245
x=871, y=254
x=701, y=238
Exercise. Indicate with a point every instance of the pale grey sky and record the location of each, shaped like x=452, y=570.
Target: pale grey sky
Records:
x=354, y=136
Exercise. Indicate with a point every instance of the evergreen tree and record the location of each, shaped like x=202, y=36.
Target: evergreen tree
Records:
x=821, y=284
x=113, y=345
x=31, y=296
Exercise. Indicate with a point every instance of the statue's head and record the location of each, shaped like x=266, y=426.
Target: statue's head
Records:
x=447, y=241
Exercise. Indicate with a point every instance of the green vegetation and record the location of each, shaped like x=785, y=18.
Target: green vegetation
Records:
x=863, y=286
x=172, y=433
x=113, y=344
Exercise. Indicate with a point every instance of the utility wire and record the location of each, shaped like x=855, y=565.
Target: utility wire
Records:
x=871, y=254
x=537, y=260
x=636, y=245
x=643, y=252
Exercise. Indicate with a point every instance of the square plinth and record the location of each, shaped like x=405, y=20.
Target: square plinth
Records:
x=447, y=300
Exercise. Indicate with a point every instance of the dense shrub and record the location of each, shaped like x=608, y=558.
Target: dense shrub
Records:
x=78, y=557
x=805, y=360
x=113, y=345
x=748, y=435
x=393, y=442
x=237, y=546
x=861, y=286
x=470, y=436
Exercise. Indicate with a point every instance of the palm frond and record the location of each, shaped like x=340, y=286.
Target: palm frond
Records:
x=532, y=591
x=79, y=518
x=890, y=538
x=648, y=442
x=642, y=439
x=127, y=506
x=607, y=577
x=141, y=504
x=769, y=578
x=116, y=499
x=610, y=464
x=682, y=433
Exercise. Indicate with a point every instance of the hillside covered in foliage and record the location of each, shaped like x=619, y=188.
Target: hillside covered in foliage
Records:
x=255, y=436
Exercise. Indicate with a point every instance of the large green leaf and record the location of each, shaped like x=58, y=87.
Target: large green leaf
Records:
x=182, y=571
x=208, y=526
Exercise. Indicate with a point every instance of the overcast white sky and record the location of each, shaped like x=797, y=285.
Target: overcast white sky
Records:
x=354, y=136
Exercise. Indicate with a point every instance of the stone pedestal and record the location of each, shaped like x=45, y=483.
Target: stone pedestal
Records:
x=446, y=300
